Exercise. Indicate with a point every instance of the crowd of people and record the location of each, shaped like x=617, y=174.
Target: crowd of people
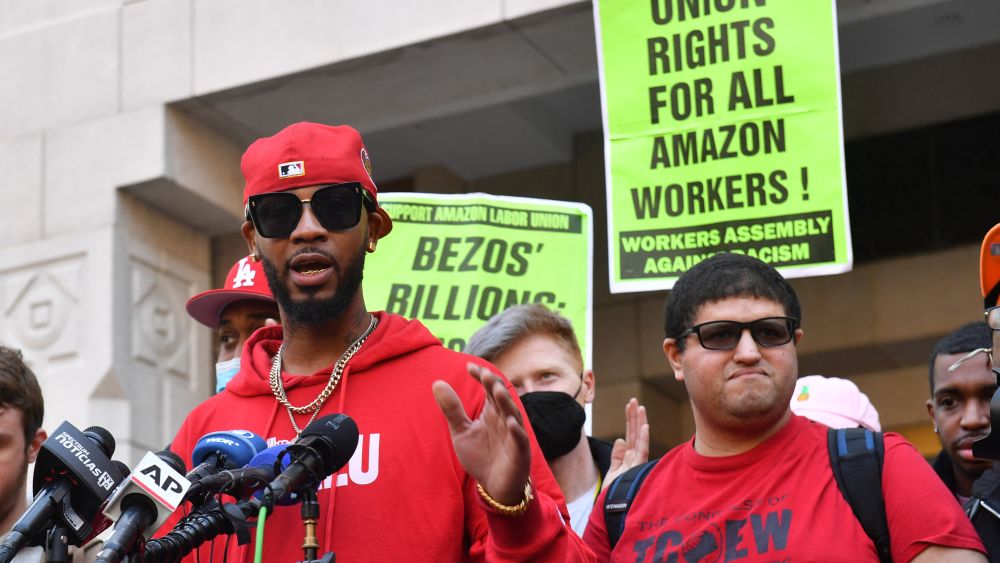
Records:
x=482, y=455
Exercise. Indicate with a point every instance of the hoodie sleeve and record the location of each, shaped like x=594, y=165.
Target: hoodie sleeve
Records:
x=596, y=534
x=541, y=533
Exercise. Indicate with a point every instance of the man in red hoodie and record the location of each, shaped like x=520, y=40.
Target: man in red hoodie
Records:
x=468, y=485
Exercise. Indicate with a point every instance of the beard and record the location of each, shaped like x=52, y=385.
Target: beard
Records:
x=315, y=311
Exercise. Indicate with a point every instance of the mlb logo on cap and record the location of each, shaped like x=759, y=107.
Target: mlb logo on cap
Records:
x=291, y=169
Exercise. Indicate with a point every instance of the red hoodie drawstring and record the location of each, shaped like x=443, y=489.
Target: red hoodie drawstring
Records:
x=243, y=554
x=270, y=422
x=328, y=541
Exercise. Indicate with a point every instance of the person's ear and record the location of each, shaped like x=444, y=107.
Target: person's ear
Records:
x=589, y=386
x=36, y=444
x=375, y=223
x=799, y=333
x=248, y=235
x=673, y=353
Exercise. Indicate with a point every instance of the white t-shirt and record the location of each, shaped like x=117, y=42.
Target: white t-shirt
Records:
x=579, y=511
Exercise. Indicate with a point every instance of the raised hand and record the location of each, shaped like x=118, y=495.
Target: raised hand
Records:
x=494, y=448
x=634, y=449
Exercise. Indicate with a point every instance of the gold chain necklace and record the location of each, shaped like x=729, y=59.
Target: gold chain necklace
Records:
x=278, y=386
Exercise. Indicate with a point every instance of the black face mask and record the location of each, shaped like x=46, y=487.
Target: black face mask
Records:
x=557, y=420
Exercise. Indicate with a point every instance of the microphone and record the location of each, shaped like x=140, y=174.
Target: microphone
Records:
x=227, y=449
x=73, y=476
x=201, y=526
x=243, y=482
x=143, y=502
x=323, y=447
x=277, y=460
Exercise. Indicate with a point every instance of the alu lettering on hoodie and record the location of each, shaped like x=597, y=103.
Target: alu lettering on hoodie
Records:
x=359, y=470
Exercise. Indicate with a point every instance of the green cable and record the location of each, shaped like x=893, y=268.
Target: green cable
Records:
x=258, y=552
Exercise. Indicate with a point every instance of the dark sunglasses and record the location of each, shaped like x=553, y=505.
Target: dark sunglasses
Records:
x=725, y=335
x=337, y=207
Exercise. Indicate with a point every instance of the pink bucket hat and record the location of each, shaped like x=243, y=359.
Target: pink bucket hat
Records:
x=835, y=402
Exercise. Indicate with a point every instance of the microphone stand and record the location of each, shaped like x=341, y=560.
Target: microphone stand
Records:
x=310, y=516
x=57, y=545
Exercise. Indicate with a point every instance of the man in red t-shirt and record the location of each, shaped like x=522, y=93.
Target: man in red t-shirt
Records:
x=755, y=482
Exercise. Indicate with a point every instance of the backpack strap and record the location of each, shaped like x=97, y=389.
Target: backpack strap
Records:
x=856, y=456
x=619, y=499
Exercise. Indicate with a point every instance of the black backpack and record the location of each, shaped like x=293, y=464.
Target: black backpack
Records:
x=856, y=456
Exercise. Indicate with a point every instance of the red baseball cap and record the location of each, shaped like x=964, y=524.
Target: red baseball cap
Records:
x=309, y=154
x=245, y=281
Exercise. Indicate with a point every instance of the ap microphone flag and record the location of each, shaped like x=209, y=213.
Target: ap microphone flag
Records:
x=145, y=500
x=153, y=478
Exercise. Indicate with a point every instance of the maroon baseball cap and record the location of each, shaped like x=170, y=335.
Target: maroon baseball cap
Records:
x=245, y=281
x=309, y=154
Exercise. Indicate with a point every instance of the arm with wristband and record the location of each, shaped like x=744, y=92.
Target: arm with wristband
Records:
x=525, y=515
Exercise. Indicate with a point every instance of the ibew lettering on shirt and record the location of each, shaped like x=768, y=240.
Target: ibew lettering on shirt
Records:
x=362, y=468
x=732, y=539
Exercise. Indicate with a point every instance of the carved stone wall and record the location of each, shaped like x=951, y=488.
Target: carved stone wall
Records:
x=54, y=297
x=41, y=308
x=162, y=356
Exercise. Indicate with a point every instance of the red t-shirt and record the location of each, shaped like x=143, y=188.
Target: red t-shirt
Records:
x=779, y=502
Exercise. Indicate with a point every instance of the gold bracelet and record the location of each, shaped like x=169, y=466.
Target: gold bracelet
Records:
x=504, y=509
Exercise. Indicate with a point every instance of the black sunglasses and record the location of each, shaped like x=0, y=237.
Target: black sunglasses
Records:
x=725, y=335
x=337, y=207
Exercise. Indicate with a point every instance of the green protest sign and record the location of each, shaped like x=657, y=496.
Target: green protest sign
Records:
x=454, y=261
x=722, y=134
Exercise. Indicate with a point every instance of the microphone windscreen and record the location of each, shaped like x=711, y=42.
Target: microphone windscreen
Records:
x=102, y=438
x=122, y=469
x=268, y=459
x=239, y=447
x=334, y=437
x=173, y=460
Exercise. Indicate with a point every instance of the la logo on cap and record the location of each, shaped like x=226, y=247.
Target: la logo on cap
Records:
x=291, y=169
x=244, y=276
